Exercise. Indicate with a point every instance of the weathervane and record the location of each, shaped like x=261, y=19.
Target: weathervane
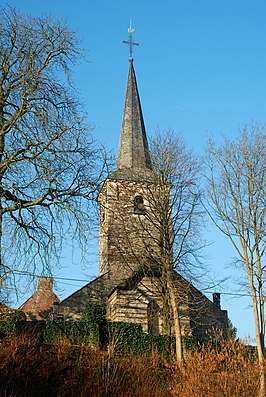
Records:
x=130, y=42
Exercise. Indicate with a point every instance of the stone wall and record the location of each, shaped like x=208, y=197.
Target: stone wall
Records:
x=126, y=244
x=73, y=306
x=207, y=319
x=131, y=305
x=198, y=315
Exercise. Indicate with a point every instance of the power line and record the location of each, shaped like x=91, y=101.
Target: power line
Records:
x=70, y=279
x=54, y=277
x=87, y=281
x=227, y=293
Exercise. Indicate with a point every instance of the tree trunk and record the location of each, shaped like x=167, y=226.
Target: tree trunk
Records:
x=260, y=345
x=177, y=327
x=2, y=147
x=2, y=269
x=166, y=314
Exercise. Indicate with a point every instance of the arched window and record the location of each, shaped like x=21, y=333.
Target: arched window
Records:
x=139, y=207
x=153, y=317
x=102, y=212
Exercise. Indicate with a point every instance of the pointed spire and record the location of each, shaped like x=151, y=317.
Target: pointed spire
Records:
x=133, y=151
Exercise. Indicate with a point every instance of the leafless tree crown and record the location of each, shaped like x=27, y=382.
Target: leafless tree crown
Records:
x=49, y=162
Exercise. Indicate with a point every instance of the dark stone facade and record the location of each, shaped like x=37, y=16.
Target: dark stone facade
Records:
x=73, y=306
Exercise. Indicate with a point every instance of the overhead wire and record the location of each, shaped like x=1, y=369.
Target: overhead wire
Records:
x=89, y=280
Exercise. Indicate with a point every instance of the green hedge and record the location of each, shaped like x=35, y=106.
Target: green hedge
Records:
x=129, y=338
x=75, y=332
x=89, y=330
x=99, y=334
x=8, y=322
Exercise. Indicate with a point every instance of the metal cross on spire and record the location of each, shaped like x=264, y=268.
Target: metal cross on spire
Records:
x=130, y=42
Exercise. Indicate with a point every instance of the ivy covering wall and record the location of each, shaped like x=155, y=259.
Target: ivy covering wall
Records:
x=97, y=332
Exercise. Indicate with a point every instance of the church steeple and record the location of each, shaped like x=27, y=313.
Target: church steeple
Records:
x=124, y=196
x=133, y=151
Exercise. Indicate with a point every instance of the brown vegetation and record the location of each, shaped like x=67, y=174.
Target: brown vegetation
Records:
x=29, y=368
x=231, y=370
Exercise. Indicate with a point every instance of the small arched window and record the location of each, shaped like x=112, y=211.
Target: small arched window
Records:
x=139, y=207
x=102, y=212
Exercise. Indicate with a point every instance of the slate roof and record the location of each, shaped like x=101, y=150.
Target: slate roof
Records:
x=133, y=152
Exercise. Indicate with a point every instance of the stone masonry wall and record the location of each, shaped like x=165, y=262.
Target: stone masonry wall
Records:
x=73, y=306
x=125, y=237
x=132, y=306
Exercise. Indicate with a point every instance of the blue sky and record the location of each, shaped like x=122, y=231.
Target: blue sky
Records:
x=200, y=69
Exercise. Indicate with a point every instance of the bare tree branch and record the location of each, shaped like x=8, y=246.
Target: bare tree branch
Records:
x=51, y=167
x=236, y=186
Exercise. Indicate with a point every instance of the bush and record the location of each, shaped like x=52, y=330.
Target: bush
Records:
x=75, y=332
x=89, y=330
x=129, y=338
x=9, y=318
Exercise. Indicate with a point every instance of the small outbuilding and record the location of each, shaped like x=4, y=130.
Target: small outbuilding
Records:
x=39, y=305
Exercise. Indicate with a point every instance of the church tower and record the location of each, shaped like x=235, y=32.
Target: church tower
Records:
x=133, y=220
x=123, y=198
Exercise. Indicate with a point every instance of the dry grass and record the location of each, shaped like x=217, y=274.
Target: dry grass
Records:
x=229, y=370
x=29, y=368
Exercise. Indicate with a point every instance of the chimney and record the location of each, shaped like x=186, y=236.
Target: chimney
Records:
x=216, y=298
x=45, y=284
x=40, y=304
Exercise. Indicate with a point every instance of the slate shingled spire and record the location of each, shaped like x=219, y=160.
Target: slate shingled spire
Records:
x=133, y=151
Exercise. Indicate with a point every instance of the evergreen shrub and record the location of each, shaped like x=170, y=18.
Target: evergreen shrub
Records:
x=8, y=322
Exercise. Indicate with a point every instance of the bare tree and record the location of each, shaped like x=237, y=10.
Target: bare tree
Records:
x=236, y=189
x=175, y=209
x=50, y=165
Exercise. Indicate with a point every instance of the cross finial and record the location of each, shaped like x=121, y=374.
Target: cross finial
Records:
x=130, y=42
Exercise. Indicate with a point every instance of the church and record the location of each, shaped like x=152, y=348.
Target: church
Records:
x=129, y=284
